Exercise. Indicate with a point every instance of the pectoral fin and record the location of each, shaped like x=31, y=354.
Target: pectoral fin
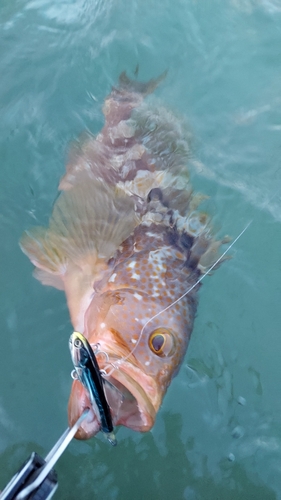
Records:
x=89, y=222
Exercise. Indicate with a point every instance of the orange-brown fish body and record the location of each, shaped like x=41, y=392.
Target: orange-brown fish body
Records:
x=125, y=242
x=126, y=304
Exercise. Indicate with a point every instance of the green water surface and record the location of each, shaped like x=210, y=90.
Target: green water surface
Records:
x=218, y=433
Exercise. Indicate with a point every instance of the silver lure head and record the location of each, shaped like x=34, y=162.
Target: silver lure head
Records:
x=78, y=351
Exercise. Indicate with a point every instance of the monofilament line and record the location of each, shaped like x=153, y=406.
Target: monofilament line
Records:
x=192, y=287
x=118, y=362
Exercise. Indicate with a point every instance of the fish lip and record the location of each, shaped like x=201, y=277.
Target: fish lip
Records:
x=78, y=402
x=143, y=387
x=126, y=377
x=140, y=416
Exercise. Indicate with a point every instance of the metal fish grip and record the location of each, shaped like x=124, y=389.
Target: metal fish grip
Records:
x=27, y=474
x=36, y=479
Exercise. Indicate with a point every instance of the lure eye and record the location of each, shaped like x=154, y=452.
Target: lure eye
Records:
x=162, y=342
x=77, y=343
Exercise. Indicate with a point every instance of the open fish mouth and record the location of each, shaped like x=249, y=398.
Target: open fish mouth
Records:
x=130, y=394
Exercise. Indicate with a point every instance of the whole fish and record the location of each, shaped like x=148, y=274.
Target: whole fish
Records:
x=125, y=241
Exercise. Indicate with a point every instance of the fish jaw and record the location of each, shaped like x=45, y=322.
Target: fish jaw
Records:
x=133, y=404
x=137, y=411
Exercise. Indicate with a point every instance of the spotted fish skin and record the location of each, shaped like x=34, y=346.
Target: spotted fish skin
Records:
x=147, y=279
x=127, y=244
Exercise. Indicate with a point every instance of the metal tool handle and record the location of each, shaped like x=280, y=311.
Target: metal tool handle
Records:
x=36, y=479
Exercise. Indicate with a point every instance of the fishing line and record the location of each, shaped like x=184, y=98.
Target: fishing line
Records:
x=119, y=361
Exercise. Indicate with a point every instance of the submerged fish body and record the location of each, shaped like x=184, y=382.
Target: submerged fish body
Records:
x=125, y=241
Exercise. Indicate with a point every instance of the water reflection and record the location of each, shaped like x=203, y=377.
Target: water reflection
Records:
x=58, y=62
x=141, y=471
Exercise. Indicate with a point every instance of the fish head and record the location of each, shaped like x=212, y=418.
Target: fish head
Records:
x=139, y=348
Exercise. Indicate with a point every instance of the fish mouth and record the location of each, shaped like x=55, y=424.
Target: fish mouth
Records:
x=131, y=394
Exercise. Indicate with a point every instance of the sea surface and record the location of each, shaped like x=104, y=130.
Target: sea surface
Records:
x=218, y=433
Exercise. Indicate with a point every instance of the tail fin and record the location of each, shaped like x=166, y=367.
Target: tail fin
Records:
x=144, y=88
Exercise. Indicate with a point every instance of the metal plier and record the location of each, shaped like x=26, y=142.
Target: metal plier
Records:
x=36, y=479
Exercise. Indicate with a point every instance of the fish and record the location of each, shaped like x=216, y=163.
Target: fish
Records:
x=128, y=244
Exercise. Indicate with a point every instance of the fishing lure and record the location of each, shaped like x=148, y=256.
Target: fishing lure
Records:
x=86, y=369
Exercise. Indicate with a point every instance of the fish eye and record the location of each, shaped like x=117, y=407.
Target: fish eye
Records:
x=162, y=342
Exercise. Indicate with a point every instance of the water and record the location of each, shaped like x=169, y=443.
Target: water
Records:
x=218, y=433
